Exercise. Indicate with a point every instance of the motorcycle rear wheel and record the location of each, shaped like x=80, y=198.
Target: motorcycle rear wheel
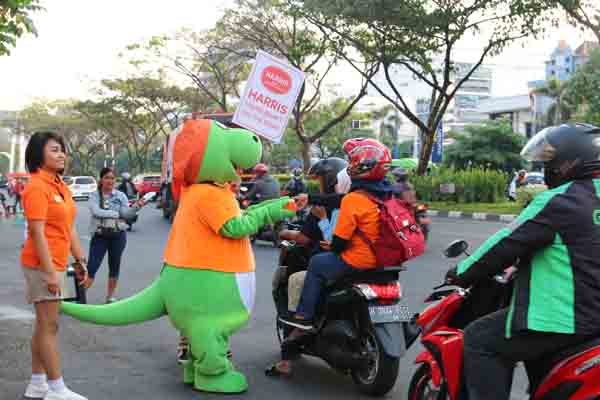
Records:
x=421, y=387
x=380, y=376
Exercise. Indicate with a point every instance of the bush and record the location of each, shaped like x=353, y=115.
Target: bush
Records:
x=475, y=185
x=527, y=193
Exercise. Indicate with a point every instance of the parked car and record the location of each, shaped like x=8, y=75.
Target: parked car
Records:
x=82, y=186
x=534, y=178
x=147, y=183
x=67, y=179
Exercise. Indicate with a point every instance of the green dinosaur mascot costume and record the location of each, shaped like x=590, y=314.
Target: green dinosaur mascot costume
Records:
x=207, y=284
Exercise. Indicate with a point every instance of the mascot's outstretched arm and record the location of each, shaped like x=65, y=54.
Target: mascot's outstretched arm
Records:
x=256, y=216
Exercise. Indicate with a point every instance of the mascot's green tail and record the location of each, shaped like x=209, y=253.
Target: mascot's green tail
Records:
x=144, y=306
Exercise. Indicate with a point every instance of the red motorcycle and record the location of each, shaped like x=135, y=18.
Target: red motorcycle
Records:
x=569, y=374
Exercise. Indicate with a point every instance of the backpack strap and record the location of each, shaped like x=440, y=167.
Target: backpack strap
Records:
x=371, y=245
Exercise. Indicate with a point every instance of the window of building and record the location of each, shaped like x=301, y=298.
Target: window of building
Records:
x=355, y=124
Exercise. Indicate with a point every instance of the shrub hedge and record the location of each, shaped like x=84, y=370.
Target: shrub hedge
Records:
x=475, y=185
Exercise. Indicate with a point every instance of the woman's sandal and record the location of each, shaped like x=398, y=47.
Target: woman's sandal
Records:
x=274, y=371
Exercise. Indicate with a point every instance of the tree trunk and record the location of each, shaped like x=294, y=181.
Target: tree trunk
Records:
x=306, y=145
x=425, y=155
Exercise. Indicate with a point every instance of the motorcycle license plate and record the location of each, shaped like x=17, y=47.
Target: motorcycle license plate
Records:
x=394, y=313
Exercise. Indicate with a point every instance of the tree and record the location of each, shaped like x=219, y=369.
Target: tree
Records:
x=218, y=73
x=561, y=108
x=137, y=112
x=584, y=13
x=492, y=145
x=84, y=140
x=279, y=28
x=582, y=90
x=389, y=128
x=15, y=20
x=420, y=37
x=329, y=145
x=354, y=125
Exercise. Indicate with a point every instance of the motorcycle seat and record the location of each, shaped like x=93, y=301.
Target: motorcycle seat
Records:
x=375, y=275
x=545, y=364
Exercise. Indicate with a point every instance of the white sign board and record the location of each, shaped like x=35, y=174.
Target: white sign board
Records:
x=269, y=97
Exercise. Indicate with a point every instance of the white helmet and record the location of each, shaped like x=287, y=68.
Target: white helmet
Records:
x=126, y=176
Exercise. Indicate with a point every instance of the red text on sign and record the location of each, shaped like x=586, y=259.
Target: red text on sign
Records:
x=268, y=102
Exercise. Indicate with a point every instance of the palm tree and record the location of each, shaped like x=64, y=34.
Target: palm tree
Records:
x=561, y=109
x=390, y=128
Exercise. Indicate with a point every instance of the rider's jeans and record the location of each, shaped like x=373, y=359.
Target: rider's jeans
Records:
x=490, y=358
x=323, y=267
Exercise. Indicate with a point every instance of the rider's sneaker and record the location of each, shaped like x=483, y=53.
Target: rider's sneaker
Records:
x=303, y=324
x=36, y=390
x=182, y=355
x=111, y=300
x=64, y=394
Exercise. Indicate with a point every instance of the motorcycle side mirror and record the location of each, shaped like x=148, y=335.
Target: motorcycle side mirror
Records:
x=456, y=248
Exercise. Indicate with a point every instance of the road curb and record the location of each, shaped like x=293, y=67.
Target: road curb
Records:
x=472, y=216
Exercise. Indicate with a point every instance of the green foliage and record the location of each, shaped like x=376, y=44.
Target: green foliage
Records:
x=563, y=105
x=472, y=185
x=527, y=193
x=582, y=88
x=492, y=145
x=84, y=140
x=15, y=20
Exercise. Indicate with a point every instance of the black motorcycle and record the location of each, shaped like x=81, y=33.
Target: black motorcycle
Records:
x=360, y=325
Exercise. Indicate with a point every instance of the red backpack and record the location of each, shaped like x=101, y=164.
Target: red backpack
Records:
x=400, y=237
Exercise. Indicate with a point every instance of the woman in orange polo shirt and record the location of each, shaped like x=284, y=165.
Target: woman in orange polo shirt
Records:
x=50, y=212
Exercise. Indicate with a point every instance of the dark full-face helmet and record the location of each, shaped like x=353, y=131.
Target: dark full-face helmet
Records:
x=568, y=151
x=328, y=169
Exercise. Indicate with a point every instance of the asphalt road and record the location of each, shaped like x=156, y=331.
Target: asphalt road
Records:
x=138, y=362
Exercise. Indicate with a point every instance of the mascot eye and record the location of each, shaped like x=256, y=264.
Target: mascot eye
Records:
x=255, y=139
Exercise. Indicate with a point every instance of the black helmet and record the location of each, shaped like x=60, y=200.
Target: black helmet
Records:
x=401, y=174
x=328, y=169
x=297, y=173
x=569, y=151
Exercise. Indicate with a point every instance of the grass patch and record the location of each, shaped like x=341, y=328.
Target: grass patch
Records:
x=490, y=208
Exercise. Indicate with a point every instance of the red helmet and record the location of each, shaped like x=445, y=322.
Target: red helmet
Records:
x=260, y=169
x=369, y=159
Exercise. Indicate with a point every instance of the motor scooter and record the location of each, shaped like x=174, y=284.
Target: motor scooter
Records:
x=569, y=374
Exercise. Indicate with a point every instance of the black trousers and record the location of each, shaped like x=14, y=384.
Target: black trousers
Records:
x=490, y=358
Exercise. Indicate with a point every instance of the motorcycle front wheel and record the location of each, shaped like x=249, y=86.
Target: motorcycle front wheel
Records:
x=422, y=388
x=379, y=376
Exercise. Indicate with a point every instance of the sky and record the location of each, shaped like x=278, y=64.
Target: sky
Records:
x=79, y=42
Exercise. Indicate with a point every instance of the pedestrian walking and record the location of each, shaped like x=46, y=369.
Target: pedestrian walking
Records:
x=50, y=211
x=109, y=208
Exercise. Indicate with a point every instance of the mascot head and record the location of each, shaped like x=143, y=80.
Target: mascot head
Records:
x=206, y=151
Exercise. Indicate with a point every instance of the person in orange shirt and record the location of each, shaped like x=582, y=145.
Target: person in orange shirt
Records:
x=50, y=212
x=357, y=221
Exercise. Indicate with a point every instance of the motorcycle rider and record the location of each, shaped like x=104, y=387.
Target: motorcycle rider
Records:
x=266, y=187
x=555, y=301
x=296, y=185
x=326, y=172
x=127, y=186
x=369, y=164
